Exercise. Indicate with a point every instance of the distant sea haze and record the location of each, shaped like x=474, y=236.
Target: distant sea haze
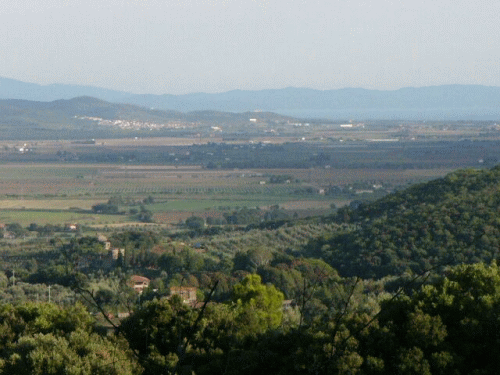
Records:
x=452, y=114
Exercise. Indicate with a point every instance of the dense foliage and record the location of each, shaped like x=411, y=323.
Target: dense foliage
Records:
x=345, y=294
x=46, y=339
x=448, y=326
x=447, y=221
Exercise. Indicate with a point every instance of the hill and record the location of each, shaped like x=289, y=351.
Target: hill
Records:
x=14, y=89
x=82, y=117
x=453, y=102
x=451, y=220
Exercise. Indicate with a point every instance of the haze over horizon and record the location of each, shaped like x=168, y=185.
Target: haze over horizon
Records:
x=211, y=46
x=45, y=85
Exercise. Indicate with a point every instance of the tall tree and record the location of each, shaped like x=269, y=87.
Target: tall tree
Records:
x=259, y=306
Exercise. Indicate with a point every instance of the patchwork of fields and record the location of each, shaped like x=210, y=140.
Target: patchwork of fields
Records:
x=65, y=193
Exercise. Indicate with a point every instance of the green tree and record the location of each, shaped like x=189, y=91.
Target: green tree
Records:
x=40, y=339
x=16, y=229
x=259, y=306
x=449, y=327
x=158, y=331
x=149, y=200
x=79, y=352
x=195, y=222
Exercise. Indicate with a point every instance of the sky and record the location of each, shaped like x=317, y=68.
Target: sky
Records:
x=186, y=46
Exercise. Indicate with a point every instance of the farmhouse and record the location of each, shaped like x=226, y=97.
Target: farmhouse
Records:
x=115, y=253
x=188, y=294
x=101, y=237
x=139, y=283
x=9, y=235
x=70, y=227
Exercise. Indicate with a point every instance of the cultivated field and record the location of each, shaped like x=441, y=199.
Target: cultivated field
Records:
x=58, y=182
x=61, y=193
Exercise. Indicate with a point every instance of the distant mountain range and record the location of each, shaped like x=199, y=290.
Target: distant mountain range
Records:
x=453, y=102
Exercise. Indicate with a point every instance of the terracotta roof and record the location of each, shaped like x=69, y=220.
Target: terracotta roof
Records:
x=139, y=279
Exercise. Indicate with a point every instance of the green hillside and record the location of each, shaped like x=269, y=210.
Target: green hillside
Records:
x=447, y=221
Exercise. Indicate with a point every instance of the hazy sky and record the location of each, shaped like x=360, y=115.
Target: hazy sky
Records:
x=184, y=46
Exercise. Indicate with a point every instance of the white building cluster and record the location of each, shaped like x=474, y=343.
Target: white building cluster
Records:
x=139, y=125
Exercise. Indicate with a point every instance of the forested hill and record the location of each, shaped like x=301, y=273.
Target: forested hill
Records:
x=447, y=221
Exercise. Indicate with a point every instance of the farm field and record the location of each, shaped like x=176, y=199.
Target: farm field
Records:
x=42, y=217
x=69, y=179
x=174, y=178
x=47, y=204
x=59, y=193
